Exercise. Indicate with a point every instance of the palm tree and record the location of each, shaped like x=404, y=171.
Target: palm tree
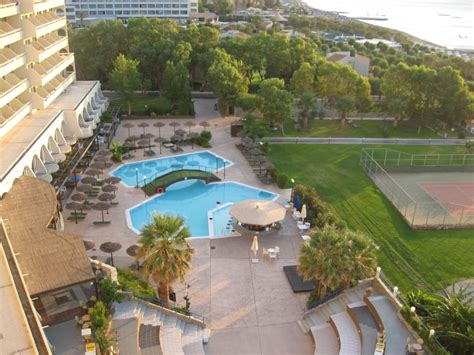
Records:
x=318, y=260
x=166, y=252
x=336, y=258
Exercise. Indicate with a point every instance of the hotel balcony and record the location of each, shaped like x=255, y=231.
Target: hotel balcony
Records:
x=9, y=8
x=15, y=110
x=44, y=72
x=10, y=60
x=43, y=96
x=41, y=5
x=9, y=34
x=40, y=25
x=11, y=86
x=45, y=47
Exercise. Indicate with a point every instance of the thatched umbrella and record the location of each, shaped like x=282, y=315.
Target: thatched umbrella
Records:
x=84, y=188
x=131, y=145
x=79, y=197
x=101, y=206
x=174, y=125
x=112, y=180
x=103, y=152
x=205, y=124
x=106, y=197
x=132, y=251
x=246, y=140
x=190, y=124
x=74, y=206
x=132, y=139
x=180, y=132
x=109, y=188
x=143, y=143
x=110, y=247
x=128, y=125
x=93, y=172
x=159, y=125
x=143, y=125
x=99, y=165
x=175, y=138
x=89, y=180
x=88, y=244
x=257, y=212
x=160, y=140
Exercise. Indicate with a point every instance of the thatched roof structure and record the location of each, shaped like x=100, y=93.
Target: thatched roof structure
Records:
x=48, y=259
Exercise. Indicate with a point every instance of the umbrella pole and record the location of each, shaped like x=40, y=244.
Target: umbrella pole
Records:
x=75, y=216
x=112, y=259
x=159, y=132
x=102, y=216
x=160, y=147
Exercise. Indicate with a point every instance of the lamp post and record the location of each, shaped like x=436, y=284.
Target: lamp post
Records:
x=292, y=188
x=136, y=176
x=144, y=183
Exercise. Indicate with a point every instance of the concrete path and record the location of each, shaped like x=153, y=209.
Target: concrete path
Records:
x=401, y=141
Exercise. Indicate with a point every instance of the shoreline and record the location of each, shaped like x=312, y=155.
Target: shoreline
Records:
x=341, y=17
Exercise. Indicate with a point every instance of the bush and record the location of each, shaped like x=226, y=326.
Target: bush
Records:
x=204, y=139
x=131, y=281
x=106, y=117
x=318, y=213
x=184, y=108
x=161, y=106
x=282, y=180
x=462, y=134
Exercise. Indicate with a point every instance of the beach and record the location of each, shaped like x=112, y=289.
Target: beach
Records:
x=447, y=24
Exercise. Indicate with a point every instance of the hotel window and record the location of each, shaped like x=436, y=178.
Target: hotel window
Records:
x=109, y=12
x=93, y=12
x=118, y=12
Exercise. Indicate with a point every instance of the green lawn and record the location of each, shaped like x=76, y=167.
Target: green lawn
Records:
x=139, y=103
x=363, y=129
x=410, y=258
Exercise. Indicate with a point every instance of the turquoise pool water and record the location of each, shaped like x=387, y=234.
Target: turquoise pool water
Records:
x=192, y=200
x=133, y=173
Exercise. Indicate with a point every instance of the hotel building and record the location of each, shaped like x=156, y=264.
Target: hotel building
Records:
x=81, y=12
x=43, y=109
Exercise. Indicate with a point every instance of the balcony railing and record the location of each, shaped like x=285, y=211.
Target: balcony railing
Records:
x=44, y=72
x=9, y=8
x=10, y=83
x=10, y=60
x=42, y=24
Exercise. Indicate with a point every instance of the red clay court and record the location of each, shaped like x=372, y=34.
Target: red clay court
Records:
x=454, y=196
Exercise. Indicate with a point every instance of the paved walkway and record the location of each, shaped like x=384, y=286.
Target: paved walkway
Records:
x=250, y=307
x=402, y=141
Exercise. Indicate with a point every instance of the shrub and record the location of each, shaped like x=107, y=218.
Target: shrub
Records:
x=184, y=108
x=318, y=213
x=462, y=134
x=140, y=288
x=109, y=292
x=106, y=117
x=161, y=106
x=204, y=139
x=282, y=180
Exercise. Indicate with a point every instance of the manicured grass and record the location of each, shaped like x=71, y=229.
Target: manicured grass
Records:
x=358, y=129
x=139, y=103
x=410, y=258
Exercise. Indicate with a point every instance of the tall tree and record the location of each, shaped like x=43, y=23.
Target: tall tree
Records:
x=276, y=101
x=303, y=80
x=176, y=80
x=223, y=7
x=309, y=107
x=126, y=79
x=226, y=79
x=344, y=104
x=166, y=252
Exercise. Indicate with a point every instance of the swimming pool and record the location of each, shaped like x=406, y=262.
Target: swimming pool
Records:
x=196, y=202
x=137, y=172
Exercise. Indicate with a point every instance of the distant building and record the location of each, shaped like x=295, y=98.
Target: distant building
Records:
x=232, y=34
x=293, y=33
x=203, y=18
x=359, y=63
x=375, y=41
x=82, y=12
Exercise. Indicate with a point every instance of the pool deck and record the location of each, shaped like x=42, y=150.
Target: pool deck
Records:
x=250, y=307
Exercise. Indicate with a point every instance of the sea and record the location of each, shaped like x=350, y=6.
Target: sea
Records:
x=447, y=23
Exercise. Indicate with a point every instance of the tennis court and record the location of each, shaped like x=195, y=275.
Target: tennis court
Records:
x=430, y=191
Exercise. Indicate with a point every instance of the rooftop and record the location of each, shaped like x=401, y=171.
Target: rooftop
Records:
x=16, y=142
x=15, y=336
x=48, y=259
x=76, y=93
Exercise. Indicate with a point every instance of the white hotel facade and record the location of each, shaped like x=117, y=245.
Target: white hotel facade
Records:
x=81, y=12
x=43, y=109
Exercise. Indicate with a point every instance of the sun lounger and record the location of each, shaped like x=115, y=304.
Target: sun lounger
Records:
x=168, y=145
x=176, y=149
x=101, y=222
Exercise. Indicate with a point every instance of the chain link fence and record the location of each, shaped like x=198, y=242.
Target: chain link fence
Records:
x=400, y=177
